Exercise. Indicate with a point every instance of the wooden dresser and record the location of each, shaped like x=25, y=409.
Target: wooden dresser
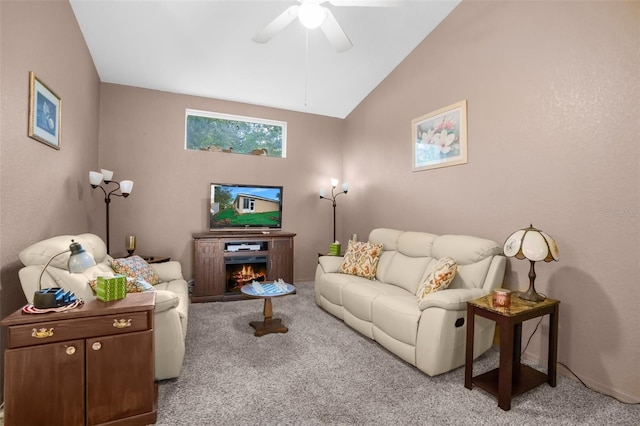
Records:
x=91, y=365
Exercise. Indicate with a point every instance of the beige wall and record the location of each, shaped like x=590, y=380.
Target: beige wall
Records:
x=553, y=125
x=142, y=138
x=552, y=93
x=44, y=191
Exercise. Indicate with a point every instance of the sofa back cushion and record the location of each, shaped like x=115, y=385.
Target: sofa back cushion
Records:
x=40, y=252
x=408, y=257
x=472, y=254
x=405, y=256
x=387, y=237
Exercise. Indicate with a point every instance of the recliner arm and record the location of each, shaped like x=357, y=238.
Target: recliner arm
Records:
x=165, y=300
x=454, y=299
x=330, y=264
x=168, y=271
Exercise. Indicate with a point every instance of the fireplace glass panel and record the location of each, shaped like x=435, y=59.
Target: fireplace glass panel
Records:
x=244, y=270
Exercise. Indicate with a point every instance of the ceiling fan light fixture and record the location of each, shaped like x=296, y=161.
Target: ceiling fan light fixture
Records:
x=311, y=15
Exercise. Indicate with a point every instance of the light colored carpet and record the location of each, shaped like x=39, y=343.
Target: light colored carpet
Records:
x=323, y=373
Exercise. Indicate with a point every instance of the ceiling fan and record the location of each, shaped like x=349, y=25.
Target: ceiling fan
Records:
x=312, y=15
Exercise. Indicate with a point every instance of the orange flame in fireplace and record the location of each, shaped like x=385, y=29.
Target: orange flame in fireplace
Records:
x=247, y=274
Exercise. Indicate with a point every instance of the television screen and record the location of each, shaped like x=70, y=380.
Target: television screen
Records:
x=237, y=206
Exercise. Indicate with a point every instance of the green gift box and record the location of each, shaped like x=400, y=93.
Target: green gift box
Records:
x=114, y=288
x=334, y=249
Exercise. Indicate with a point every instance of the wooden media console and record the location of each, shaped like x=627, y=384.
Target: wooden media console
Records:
x=219, y=258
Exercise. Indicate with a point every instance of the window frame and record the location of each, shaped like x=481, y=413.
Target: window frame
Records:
x=233, y=117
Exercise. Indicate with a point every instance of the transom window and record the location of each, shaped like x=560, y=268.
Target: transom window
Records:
x=211, y=131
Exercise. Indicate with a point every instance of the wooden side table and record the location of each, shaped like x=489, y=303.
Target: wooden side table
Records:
x=511, y=378
x=155, y=259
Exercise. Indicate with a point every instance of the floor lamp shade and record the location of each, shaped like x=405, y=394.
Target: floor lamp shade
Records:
x=334, y=195
x=122, y=189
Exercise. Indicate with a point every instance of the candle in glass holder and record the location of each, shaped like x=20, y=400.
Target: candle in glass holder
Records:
x=130, y=243
x=501, y=298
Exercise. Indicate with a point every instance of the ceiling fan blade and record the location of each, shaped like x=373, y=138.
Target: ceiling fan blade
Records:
x=334, y=32
x=278, y=24
x=368, y=3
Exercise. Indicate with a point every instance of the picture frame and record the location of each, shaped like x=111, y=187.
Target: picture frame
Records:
x=439, y=139
x=45, y=113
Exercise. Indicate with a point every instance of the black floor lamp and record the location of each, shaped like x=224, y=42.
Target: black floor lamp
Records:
x=334, y=184
x=125, y=187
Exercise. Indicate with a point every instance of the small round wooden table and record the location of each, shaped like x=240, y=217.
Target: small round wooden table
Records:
x=270, y=290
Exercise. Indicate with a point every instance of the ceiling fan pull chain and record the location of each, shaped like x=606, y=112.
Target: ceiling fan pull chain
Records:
x=306, y=64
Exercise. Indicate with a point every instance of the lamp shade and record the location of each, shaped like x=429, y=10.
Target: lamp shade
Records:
x=532, y=244
x=79, y=260
x=126, y=186
x=95, y=178
x=108, y=174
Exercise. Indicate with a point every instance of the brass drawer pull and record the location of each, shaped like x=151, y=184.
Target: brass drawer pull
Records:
x=70, y=350
x=122, y=323
x=43, y=333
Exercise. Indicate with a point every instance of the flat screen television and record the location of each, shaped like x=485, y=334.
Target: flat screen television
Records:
x=244, y=207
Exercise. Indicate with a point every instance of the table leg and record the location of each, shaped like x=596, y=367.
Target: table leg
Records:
x=517, y=348
x=268, y=309
x=505, y=372
x=468, y=366
x=269, y=324
x=552, y=356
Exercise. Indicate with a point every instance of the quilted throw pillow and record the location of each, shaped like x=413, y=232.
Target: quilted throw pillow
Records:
x=361, y=259
x=135, y=267
x=437, y=280
x=134, y=285
x=138, y=285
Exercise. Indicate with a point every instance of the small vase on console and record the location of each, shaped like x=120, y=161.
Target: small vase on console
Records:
x=130, y=243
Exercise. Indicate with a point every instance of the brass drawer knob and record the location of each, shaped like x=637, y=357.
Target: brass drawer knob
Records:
x=121, y=323
x=96, y=346
x=70, y=350
x=42, y=333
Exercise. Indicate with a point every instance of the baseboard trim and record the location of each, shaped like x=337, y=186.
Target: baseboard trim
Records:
x=591, y=384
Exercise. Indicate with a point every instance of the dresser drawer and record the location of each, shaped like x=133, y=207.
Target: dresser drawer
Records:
x=81, y=328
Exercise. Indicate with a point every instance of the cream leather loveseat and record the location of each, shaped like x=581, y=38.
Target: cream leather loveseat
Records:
x=172, y=293
x=386, y=309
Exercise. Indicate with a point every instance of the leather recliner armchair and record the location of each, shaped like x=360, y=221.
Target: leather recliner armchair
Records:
x=172, y=293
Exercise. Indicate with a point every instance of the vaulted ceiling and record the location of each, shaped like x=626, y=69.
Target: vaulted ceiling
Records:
x=205, y=48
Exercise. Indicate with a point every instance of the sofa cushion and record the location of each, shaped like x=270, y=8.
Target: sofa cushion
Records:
x=438, y=279
x=357, y=298
x=416, y=244
x=471, y=275
x=361, y=259
x=387, y=237
x=406, y=272
x=397, y=316
x=332, y=286
x=135, y=267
